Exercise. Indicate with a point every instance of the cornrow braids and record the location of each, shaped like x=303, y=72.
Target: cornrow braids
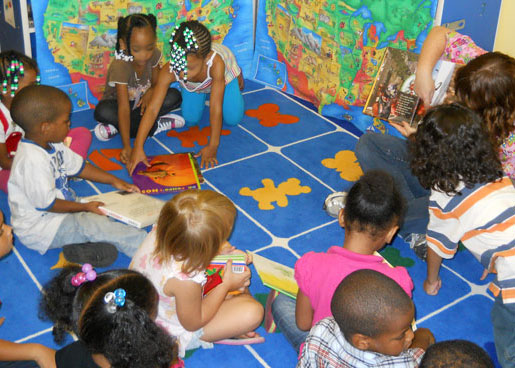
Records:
x=188, y=37
x=127, y=24
x=12, y=69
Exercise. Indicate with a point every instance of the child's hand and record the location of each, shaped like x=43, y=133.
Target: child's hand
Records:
x=93, y=207
x=125, y=155
x=432, y=288
x=227, y=248
x=137, y=156
x=235, y=281
x=423, y=339
x=208, y=154
x=123, y=185
x=404, y=128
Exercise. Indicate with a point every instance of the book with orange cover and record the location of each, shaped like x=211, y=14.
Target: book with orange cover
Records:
x=173, y=172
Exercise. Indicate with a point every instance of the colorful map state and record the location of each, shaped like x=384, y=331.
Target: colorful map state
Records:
x=81, y=34
x=331, y=49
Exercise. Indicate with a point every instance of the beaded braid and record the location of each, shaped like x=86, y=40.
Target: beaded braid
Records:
x=188, y=37
x=12, y=69
x=125, y=27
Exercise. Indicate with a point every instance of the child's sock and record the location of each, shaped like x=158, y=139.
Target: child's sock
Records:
x=169, y=121
x=105, y=132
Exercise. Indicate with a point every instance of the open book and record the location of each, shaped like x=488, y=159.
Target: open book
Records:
x=392, y=96
x=173, y=172
x=134, y=209
x=276, y=275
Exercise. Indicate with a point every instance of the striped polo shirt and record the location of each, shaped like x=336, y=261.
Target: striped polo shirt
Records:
x=483, y=218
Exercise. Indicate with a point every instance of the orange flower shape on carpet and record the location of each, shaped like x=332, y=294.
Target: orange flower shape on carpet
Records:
x=269, y=116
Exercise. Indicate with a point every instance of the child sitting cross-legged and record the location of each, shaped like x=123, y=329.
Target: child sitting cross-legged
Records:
x=44, y=210
x=371, y=326
x=371, y=217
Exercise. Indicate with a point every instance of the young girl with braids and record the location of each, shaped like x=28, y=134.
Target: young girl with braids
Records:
x=131, y=79
x=193, y=227
x=201, y=67
x=18, y=71
x=112, y=315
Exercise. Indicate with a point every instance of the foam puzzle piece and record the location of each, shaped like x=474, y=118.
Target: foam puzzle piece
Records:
x=62, y=262
x=103, y=162
x=346, y=163
x=194, y=134
x=270, y=193
x=112, y=153
x=269, y=116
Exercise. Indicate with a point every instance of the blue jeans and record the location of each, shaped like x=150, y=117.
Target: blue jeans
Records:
x=385, y=152
x=503, y=321
x=283, y=310
x=19, y=364
x=82, y=227
x=193, y=104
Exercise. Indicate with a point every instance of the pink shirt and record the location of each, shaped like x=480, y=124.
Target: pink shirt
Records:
x=319, y=274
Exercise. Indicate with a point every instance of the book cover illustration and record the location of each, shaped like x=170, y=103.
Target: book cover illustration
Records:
x=134, y=209
x=276, y=275
x=392, y=96
x=168, y=173
x=215, y=270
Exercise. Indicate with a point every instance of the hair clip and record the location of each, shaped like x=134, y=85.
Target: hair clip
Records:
x=87, y=274
x=115, y=299
x=120, y=55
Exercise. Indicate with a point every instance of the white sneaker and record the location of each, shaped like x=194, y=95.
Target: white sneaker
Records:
x=334, y=203
x=105, y=132
x=169, y=121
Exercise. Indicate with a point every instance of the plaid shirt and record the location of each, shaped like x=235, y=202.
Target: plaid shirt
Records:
x=326, y=347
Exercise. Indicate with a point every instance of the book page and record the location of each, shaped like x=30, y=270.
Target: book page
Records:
x=275, y=275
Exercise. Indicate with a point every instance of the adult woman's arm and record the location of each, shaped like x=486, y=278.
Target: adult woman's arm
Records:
x=432, y=50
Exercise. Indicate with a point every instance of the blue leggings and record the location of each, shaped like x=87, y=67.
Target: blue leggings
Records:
x=193, y=104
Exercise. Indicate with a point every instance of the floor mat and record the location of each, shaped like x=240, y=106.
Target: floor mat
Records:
x=277, y=166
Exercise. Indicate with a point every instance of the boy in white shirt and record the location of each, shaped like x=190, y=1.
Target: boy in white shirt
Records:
x=45, y=213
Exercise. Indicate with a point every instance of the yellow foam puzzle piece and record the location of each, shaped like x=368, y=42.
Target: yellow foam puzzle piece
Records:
x=270, y=193
x=346, y=163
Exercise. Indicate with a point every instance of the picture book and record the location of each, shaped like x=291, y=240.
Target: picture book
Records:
x=276, y=275
x=392, y=96
x=173, y=172
x=215, y=270
x=134, y=209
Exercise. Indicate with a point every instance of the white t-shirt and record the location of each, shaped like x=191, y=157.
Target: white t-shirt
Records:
x=38, y=178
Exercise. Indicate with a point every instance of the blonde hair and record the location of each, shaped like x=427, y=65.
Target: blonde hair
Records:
x=192, y=226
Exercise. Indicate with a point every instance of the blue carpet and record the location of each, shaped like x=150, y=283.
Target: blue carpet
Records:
x=300, y=163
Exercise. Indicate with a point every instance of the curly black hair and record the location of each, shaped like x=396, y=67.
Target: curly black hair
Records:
x=127, y=24
x=128, y=337
x=373, y=204
x=452, y=146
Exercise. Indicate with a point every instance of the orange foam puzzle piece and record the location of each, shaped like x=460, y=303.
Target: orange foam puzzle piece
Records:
x=112, y=153
x=194, y=134
x=103, y=162
x=269, y=116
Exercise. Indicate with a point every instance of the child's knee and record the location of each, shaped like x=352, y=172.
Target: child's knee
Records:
x=254, y=313
x=192, y=116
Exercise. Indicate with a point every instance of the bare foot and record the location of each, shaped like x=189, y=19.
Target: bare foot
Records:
x=432, y=288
